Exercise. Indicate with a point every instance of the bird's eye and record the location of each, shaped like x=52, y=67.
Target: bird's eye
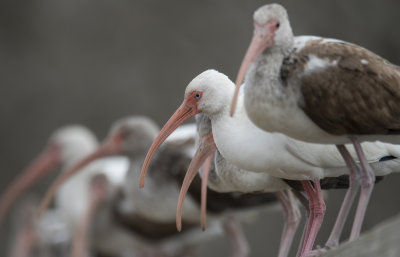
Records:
x=197, y=95
x=277, y=25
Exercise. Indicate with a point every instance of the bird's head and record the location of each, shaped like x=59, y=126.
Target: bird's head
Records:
x=128, y=136
x=65, y=147
x=271, y=30
x=210, y=93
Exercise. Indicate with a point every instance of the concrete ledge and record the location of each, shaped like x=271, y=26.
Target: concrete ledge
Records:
x=382, y=241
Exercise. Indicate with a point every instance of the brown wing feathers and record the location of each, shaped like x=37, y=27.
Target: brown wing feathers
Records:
x=359, y=94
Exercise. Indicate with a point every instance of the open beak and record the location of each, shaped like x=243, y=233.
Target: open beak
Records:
x=48, y=160
x=204, y=152
x=187, y=110
x=262, y=39
x=108, y=148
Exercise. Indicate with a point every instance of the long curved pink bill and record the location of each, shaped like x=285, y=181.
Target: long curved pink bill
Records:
x=106, y=149
x=204, y=181
x=183, y=113
x=256, y=47
x=205, y=148
x=41, y=166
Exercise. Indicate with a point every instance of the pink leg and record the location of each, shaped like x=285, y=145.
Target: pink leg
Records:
x=348, y=201
x=304, y=202
x=302, y=199
x=307, y=188
x=236, y=237
x=292, y=216
x=334, y=237
x=367, y=185
x=26, y=236
x=98, y=194
x=317, y=212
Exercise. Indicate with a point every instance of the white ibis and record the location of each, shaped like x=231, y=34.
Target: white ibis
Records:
x=150, y=214
x=131, y=137
x=65, y=147
x=226, y=177
x=142, y=221
x=320, y=90
x=251, y=148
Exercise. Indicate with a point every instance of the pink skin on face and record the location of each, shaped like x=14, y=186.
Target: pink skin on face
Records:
x=263, y=38
x=187, y=110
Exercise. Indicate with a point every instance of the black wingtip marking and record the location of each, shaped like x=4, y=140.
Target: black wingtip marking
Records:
x=387, y=158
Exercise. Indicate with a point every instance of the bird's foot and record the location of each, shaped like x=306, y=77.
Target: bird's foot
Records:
x=318, y=251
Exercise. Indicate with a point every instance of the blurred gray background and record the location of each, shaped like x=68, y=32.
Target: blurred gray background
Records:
x=93, y=61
